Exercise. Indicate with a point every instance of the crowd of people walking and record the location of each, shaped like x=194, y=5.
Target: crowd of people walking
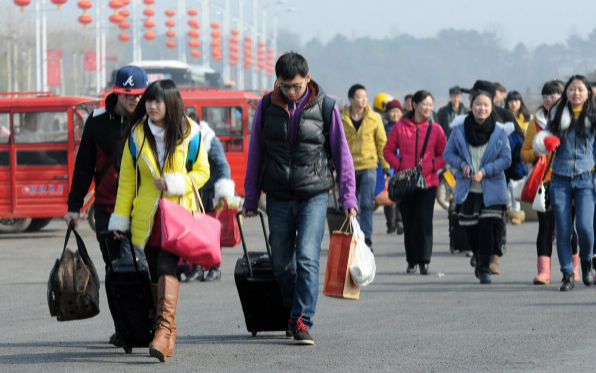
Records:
x=301, y=146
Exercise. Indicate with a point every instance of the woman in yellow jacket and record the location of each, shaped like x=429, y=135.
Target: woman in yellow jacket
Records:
x=161, y=133
x=551, y=92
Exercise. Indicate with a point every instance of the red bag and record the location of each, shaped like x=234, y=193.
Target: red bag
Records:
x=230, y=234
x=194, y=236
x=534, y=180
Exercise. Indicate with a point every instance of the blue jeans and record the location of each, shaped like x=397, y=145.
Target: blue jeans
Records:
x=296, y=231
x=563, y=192
x=366, y=181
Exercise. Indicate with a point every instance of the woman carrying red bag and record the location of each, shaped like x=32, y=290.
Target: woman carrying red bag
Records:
x=161, y=133
x=551, y=93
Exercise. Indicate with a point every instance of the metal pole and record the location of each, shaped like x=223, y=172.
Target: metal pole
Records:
x=28, y=70
x=226, y=43
x=103, y=56
x=44, y=46
x=264, y=39
x=205, y=33
x=16, y=65
x=240, y=65
x=98, y=48
x=9, y=66
x=255, y=44
x=37, y=46
x=181, y=35
x=135, y=56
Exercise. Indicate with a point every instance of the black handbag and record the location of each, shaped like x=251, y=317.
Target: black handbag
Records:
x=404, y=183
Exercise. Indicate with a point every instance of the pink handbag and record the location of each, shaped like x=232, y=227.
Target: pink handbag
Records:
x=191, y=235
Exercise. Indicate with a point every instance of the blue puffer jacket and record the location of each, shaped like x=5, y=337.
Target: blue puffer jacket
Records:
x=518, y=169
x=575, y=155
x=218, y=163
x=496, y=160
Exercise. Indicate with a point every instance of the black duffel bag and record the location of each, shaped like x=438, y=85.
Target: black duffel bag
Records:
x=404, y=183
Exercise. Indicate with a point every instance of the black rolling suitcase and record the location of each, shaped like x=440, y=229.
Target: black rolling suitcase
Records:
x=129, y=295
x=260, y=296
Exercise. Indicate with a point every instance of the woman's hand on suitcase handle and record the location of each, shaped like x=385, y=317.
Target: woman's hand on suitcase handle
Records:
x=350, y=212
x=118, y=235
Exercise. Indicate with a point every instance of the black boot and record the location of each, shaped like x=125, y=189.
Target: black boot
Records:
x=568, y=282
x=424, y=268
x=587, y=272
x=483, y=270
x=214, y=274
x=399, y=228
x=196, y=274
x=411, y=268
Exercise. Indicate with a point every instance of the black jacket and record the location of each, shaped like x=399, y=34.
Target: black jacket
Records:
x=446, y=115
x=101, y=135
x=303, y=170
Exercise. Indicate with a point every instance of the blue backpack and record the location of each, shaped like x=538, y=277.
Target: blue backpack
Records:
x=193, y=150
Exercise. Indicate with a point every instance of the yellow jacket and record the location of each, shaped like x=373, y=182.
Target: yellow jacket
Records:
x=527, y=153
x=142, y=208
x=368, y=143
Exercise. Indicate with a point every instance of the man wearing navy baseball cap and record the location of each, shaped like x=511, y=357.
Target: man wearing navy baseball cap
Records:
x=96, y=158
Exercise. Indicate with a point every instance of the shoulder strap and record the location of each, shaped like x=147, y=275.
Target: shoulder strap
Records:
x=132, y=146
x=328, y=105
x=430, y=126
x=265, y=103
x=193, y=151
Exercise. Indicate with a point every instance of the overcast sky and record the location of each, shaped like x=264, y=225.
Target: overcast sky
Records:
x=532, y=22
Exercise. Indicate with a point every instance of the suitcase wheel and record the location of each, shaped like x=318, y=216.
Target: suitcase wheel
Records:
x=128, y=350
x=254, y=333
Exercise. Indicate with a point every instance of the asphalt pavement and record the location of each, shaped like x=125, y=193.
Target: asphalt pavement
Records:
x=445, y=322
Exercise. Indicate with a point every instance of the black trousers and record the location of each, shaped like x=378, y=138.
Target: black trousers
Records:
x=161, y=263
x=417, y=212
x=392, y=215
x=111, y=248
x=484, y=238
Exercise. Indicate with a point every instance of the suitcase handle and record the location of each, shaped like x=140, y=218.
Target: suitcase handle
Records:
x=248, y=263
x=105, y=235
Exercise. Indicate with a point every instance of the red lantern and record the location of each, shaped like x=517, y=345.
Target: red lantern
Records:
x=248, y=38
x=83, y=4
x=170, y=13
x=247, y=61
x=258, y=69
x=217, y=50
x=235, y=32
x=194, y=34
x=170, y=44
x=247, y=45
x=262, y=45
x=216, y=33
x=234, y=48
x=149, y=24
x=261, y=65
x=194, y=23
x=124, y=37
x=194, y=43
x=268, y=74
x=59, y=3
x=115, y=4
x=216, y=43
x=247, y=53
x=195, y=53
x=124, y=25
x=270, y=63
x=260, y=51
x=234, y=40
x=85, y=19
x=261, y=58
x=171, y=34
x=149, y=35
x=124, y=13
x=192, y=12
x=217, y=58
x=270, y=50
x=234, y=56
x=22, y=4
x=148, y=2
x=215, y=25
x=232, y=63
x=116, y=19
x=170, y=23
x=125, y=2
x=149, y=12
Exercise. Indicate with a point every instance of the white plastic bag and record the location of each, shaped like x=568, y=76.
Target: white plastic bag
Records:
x=362, y=266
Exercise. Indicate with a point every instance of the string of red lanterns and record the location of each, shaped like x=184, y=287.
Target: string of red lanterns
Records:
x=216, y=51
x=85, y=18
x=248, y=52
x=194, y=34
x=170, y=23
x=149, y=24
x=270, y=62
x=234, y=48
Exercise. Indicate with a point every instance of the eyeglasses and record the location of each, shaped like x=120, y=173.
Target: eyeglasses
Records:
x=550, y=97
x=288, y=88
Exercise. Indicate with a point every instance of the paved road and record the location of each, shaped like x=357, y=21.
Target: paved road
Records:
x=445, y=322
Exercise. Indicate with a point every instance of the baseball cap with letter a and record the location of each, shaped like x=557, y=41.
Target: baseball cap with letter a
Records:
x=131, y=80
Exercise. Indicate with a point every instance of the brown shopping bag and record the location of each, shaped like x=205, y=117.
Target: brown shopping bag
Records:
x=338, y=281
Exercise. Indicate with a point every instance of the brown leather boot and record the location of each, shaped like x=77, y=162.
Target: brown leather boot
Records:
x=168, y=287
x=173, y=333
x=494, y=265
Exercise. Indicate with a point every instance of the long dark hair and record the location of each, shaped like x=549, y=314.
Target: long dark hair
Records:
x=588, y=110
x=177, y=126
x=493, y=112
x=516, y=96
x=552, y=87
